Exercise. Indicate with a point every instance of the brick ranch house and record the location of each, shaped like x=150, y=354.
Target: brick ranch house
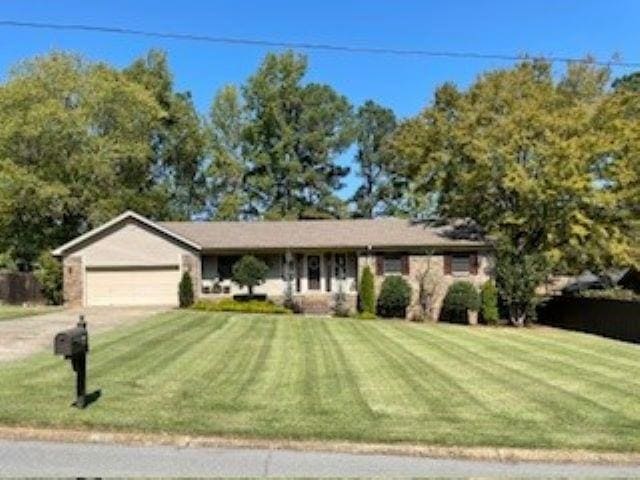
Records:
x=132, y=260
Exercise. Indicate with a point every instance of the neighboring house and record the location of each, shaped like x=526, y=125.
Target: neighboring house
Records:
x=132, y=260
x=627, y=278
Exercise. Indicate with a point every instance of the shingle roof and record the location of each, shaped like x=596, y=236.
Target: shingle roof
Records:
x=359, y=233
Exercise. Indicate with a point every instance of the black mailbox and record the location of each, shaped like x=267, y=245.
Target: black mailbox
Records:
x=71, y=342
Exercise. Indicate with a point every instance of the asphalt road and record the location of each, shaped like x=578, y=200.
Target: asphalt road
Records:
x=29, y=458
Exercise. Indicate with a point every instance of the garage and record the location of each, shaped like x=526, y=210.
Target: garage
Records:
x=132, y=286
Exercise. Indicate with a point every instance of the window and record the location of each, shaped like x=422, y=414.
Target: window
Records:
x=225, y=266
x=460, y=264
x=392, y=264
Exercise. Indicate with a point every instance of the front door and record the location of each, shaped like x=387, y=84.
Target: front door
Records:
x=313, y=272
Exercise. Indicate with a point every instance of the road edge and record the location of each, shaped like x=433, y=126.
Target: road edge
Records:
x=506, y=454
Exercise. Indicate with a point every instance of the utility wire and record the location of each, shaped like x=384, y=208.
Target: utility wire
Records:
x=302, y=45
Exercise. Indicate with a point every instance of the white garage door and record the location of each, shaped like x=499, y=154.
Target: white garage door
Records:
x=133, y=286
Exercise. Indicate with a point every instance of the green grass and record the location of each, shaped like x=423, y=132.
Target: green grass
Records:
x=293, y=377
x=9, y=312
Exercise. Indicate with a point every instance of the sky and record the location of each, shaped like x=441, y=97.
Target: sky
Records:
x=568, y=28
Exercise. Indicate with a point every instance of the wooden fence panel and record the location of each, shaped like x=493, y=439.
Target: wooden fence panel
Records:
x=20, y=287
x=617, y=319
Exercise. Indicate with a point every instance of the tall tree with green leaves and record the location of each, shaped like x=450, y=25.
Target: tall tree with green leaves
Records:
x=294, y=133
x=228, y=168
x=382, y=186
x=179, y=141
x=75, y=150
x=629, y=82
x=543, y=165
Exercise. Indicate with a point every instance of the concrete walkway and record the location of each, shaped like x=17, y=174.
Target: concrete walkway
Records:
x=30, y=458
x=24, y=336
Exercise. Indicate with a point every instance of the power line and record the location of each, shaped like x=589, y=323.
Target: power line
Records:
x=302, y=45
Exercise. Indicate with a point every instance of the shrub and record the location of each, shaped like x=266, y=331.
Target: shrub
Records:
x=461, y=297
x=249, y=272
x=230, y=305
x=367, y=292
x=367, y=316
x=185, y=291
x=49, y=274
x=395, y=296
x=489, y=299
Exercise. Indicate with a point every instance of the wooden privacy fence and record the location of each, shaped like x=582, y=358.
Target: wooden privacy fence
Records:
x=617, y=319
x=20, y=287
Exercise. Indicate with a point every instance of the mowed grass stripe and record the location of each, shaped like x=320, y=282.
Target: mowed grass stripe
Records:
x=592, y=360
x=577, y=366
x=350, y=389
x=565, y=401
x=497, y=388
x=426, y=383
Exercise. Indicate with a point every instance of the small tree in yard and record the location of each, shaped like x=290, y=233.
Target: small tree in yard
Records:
x=185, y=291
x=249, y=272
x=489, y=298
x=394, y=298
x=49, y=274
x=517, y=276
x=367, y=292
x=461, y=297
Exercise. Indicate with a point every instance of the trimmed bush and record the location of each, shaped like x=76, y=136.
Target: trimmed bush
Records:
x=461, y=297
x=367, y=292
x=367, y=316
x=249, y=272
x=230, y=305
x=394, y=298
x=489, y=299
x=185, y=291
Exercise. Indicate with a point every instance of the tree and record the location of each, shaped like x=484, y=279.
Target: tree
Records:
x=535, y=162
x=49, y=274
x=489, y=302
x=630, y=82
x=367, y=292
x=178, y=141
x=382, y=188
x=75, y=150
x=228, y=164
x=293, y=135
x=518, y=275
x=185, y=291
x=249, y=272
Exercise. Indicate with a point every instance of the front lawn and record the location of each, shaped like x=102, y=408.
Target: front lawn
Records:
x=309, y=378
x=9, y=312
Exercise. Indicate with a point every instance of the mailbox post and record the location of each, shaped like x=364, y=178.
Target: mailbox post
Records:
x=73, y=344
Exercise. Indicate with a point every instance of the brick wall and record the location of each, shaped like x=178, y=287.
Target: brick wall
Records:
x=429, y=268
x=73, y=284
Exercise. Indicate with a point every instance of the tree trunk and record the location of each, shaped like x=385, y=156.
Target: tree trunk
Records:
x=517, y=317
x=250, y=291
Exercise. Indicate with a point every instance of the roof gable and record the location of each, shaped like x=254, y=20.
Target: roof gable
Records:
x=126, y=216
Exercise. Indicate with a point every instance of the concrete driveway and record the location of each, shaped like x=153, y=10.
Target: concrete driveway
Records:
x=22, y=337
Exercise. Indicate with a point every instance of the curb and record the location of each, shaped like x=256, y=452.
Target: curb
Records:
x=506, y=454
